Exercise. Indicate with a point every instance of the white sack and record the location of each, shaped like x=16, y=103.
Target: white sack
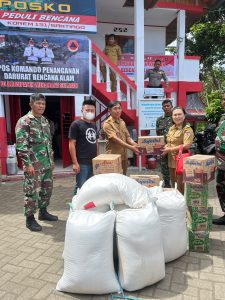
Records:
x=155, y=190
x=88, y=254
x=172, y=212
x=140, y=249
x=102, y=189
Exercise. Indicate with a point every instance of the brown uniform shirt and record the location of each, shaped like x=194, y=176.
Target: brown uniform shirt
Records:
x=116, y=128
x=178, y=136
x=113, y=53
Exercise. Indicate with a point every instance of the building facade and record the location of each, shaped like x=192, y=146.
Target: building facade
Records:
x=143, y=28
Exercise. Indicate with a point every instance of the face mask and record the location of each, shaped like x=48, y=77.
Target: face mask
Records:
x=89, y=116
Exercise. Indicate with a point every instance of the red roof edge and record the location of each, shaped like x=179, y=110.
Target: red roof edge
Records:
x=191, y=8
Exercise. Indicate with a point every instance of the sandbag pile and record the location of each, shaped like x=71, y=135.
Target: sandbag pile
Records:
x=149, y=233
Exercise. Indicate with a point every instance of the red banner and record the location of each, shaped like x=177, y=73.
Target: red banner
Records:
x=126, y=64
x=73, y=15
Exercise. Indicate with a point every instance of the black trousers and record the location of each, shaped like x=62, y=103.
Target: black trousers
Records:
x=155, y=87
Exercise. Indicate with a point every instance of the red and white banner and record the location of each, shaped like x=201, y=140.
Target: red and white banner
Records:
x=126, y=64
x=72, y=15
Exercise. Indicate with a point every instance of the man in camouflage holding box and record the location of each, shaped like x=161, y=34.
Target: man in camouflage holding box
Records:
x=163, y=124
x=33, y=143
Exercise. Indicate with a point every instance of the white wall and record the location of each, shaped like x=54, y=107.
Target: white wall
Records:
x=174, y=98
x=155, y=37
x=7, y=113
x=191, y=70
x=78, y=100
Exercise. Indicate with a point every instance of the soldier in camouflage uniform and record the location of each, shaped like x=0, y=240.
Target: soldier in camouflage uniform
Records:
x=220, y=160
x=33, y=143
x=162, y=127
x=222, y=118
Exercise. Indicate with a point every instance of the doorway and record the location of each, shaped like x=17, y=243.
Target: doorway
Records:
x=59, y=111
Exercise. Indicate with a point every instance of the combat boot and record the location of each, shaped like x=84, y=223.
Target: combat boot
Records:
x=219, y=221
x=167, y=185
x=32, y=224
x=45, y=216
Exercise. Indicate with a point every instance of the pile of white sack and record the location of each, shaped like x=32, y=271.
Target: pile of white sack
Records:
x=150, y=229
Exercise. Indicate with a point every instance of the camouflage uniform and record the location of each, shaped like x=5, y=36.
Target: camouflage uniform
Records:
x=220, y=160
x=33, y=143
x=162, y=127
x=222, y=118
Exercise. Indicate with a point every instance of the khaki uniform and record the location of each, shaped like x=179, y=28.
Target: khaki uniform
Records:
x=116, y=128
x=178, y=136
x=113, y=53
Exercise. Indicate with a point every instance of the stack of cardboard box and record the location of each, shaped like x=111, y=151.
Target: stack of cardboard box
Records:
x=149, y=145
x=199, y=170
x=107, y=163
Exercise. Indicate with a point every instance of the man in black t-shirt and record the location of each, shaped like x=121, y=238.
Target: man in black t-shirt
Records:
x=83, y=144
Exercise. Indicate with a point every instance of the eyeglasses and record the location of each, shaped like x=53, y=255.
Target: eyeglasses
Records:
x=223, y=99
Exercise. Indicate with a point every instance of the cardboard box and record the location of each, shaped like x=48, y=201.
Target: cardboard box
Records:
x=107, y=163
x=200, y=218
x=151, y=144
x=199, y=241
x=196, y=195
x=199, y=169
x=147, y=180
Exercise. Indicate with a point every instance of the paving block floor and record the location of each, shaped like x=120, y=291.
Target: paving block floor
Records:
x=31, y=263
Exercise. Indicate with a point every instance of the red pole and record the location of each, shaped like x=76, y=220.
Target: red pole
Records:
x=3, y=144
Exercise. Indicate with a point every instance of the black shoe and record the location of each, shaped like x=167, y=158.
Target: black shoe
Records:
x=167, y=186
x=219, y=221
x=32, y=224
x=45, y=216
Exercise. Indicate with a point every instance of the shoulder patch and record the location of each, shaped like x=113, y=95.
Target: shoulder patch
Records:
x=187, y=134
